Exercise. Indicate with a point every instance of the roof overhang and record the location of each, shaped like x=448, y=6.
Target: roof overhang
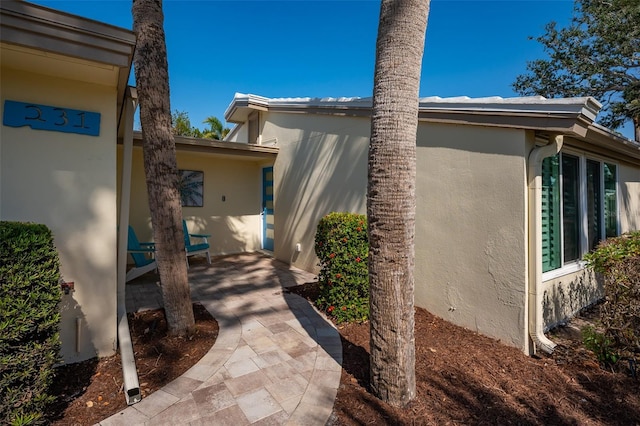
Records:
x=574, y=117
x=238, y=151
x=36, y=36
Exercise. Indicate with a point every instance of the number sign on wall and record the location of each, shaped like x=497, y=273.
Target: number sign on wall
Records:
x=44, y=117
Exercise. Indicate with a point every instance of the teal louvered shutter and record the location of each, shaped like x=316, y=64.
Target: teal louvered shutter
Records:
x=551, y=209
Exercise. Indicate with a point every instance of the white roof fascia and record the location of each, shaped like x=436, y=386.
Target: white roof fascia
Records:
x=586, y=107
x=573, y=116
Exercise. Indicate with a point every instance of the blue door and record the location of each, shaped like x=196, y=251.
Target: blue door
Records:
x=267, y=208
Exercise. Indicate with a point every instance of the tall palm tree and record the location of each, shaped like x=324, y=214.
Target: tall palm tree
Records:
x=161, y=170
x=391, y=197
x=216, y=130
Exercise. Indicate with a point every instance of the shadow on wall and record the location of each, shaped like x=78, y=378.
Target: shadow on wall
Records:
x=325, y=170
x=566, y=297
x=75, y=334
x=630, y=205
x=228, y=234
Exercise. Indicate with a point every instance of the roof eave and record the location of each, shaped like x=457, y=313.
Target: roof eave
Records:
x=38, y=27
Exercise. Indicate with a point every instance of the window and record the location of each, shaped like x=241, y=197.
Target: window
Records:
x=579, y=207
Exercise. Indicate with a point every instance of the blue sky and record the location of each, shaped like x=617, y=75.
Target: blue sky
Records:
x=327, y=48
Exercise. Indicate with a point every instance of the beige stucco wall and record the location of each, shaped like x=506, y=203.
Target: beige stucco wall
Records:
x=321, y=167
x=470, y=231
x=67, y=182
x=234, y=224
x=566, y=295
x=470, y=228
x=629, y=197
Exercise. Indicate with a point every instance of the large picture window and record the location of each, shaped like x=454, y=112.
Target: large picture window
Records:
x=579, y=207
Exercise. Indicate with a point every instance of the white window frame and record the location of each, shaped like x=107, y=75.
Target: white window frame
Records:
x=579, y=264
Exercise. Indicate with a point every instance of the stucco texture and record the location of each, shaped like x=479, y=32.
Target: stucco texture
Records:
x=67, y=182
x=234, y=224
x=470, y=230
x=321, y=168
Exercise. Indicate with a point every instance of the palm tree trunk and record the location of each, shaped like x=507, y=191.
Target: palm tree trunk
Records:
x=152, y=80
x=391, y=197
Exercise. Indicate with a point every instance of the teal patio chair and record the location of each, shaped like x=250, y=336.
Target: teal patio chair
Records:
x=142, y=254
x=194, y=249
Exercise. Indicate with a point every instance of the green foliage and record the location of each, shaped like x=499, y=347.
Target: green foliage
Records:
x=342, y=246
x=181, y=126
x=597, y=55
x=600, y=345
x=29, y=321
x=613, y=250
x=216, y=130
x=618, y=259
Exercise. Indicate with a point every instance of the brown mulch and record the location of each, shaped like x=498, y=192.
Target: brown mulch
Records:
x=91, y=391
x=463, y=378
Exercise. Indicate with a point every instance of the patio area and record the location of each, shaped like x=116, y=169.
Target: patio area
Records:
x=276, y=360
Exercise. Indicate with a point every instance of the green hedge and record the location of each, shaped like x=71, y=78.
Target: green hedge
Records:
x=29, y=321
x=342, y=246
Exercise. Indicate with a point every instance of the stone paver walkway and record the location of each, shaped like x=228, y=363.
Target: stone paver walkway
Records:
x=276, y=359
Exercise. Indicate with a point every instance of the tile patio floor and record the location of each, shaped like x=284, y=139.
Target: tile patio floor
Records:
x=276, y=359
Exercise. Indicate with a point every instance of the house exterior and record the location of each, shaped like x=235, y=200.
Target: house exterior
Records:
x=232, y=188
x=63, y=85
x=502, y=219
x=502, y=222
x=68, y=153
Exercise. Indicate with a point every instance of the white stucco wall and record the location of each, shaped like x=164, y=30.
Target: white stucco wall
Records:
x=234, y=224
x=67, y=182
x=470, y=228
x=321, y=168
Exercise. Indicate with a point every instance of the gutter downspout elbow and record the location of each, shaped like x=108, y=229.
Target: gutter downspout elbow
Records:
x=534, y=173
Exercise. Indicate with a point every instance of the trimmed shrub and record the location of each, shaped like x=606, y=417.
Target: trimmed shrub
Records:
x=29, y=321
x=618, y=259
x=342, y=245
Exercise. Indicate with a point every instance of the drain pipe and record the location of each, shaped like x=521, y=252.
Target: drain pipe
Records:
x=132, y=392
x=536, y=329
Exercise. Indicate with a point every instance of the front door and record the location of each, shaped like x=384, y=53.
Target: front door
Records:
x=267, y=208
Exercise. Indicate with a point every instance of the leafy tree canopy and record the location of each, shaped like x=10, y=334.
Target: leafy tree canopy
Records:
x=181, y=126
x=597, y=55
x=216, y=130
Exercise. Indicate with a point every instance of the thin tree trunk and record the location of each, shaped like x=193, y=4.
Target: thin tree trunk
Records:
x=391, y=198
x=152, y=80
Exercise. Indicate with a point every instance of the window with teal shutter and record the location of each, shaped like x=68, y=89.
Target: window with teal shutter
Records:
x=579, y=199
x=594, y=204
x=551, y=243
x=610, y=200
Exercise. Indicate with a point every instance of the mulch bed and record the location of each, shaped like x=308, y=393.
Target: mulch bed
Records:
x=91, y=391
x=466, y=378
x=462, y=378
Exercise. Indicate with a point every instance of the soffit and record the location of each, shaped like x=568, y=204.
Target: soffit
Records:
x=52, y=64
x=56, y=43
x=238, y=151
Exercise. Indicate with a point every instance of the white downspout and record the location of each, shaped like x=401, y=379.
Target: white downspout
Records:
x=129, y=373
x=534, y=173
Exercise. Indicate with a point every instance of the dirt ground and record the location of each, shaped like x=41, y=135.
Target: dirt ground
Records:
x=463, y=378
x=91, y=391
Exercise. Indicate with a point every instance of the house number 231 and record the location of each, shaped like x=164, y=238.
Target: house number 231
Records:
x=45, y=117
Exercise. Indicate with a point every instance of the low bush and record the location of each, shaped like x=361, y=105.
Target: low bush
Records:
x=29, y=321
x=342, y=246
x=618, y=260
